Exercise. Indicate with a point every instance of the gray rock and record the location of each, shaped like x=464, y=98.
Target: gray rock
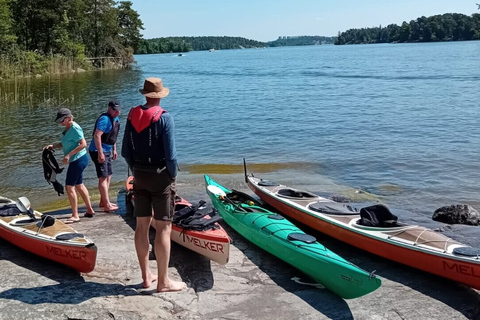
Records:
x=457, y=214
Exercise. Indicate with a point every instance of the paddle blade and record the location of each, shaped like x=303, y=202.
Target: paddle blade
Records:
x=216, y=191
x=23, y=204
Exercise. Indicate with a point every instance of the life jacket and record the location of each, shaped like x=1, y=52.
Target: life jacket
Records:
x=194, y=218
x=109, y=137
x=51, y=169
x=144, y=136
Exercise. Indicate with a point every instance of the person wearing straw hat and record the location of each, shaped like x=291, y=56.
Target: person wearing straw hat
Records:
x=75, y=155
x=149, y=150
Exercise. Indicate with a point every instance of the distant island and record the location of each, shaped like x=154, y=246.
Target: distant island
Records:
x=443, y=27
x=185, y=44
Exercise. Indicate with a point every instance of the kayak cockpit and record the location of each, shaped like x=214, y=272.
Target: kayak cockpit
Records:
x=334, y=208
x=295, y=194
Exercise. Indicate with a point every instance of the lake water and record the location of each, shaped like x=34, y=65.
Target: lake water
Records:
x=392, y=123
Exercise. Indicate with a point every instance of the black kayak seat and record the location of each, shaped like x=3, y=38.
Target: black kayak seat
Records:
x=377, y=215
x=467, y=251
x=295, y=194
x=69, y=236
x=275, y=217
x=267, y=183
x=334, y=208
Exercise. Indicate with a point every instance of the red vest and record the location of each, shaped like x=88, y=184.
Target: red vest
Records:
x=143, y=118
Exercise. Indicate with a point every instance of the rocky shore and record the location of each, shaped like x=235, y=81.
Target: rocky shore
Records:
x=253, y=285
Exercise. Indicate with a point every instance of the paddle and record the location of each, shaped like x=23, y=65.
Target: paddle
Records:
x=223, y=196
x=23, y=204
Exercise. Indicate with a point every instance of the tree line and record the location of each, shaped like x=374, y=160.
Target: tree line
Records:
x=300, y=41
x=444, y=27
x=185, y=44
x=32, y=32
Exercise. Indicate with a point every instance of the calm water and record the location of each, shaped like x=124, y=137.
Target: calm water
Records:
x=399, y=122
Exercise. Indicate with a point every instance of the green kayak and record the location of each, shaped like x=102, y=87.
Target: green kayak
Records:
x=284, y=240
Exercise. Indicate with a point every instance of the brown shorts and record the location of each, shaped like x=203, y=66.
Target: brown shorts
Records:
x=154, y=191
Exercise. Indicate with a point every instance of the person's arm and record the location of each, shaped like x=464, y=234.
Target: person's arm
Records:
x=126, y=147
x=169, y=145
x=82, y=144
x=97, y=139
x=114, y=154
x=53, y=146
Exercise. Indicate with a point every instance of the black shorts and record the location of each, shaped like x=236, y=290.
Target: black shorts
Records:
x=154, y=191
x=103, y=169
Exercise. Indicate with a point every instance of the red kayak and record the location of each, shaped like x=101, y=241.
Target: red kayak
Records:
x=374, y=229
x=45, y=236
x=194, y=230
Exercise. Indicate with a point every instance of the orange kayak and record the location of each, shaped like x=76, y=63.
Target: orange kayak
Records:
x=46, y=236
x=412, y=245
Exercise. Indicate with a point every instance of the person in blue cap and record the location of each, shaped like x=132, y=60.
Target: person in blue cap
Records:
x=75, y=155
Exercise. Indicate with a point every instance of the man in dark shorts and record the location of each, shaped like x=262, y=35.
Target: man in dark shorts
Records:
x=103, y=150
x=149, y=149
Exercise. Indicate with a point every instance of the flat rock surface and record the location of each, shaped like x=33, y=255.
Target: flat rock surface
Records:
x=253, y=285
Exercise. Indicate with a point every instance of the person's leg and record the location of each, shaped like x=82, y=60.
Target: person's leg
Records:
x=72, y=198
x=162, y=254
x=80, y=187
x=103, y=188
x=72, y=175
x=142, y=246
x=83, y=191
x=163, y=208
x=104, y=177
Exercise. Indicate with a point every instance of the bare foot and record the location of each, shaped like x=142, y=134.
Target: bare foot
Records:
x=148, y=281
x=172, y=286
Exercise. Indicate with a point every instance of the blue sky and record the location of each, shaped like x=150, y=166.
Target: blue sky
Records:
x=265, y=20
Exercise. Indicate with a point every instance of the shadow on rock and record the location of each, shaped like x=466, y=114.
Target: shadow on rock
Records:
x=37, y=264
x=71, y=287
x=73, y=292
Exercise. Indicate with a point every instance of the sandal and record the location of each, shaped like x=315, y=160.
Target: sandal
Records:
x=89, y=215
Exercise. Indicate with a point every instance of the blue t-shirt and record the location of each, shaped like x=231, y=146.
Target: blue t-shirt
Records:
x=105, y=125
x=70, y=140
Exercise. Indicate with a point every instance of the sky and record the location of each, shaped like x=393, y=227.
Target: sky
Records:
x=266, y=20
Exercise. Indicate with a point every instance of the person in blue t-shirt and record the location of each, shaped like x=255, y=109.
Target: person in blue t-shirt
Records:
x=75, y=155
x=103, y=150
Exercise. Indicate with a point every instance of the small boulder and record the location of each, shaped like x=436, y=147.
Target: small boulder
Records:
x=457, y=214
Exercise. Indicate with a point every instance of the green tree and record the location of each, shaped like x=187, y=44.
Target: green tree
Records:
x=130, y=25
x=7, y=36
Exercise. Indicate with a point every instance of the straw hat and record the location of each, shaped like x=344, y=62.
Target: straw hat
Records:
x=153, y=88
